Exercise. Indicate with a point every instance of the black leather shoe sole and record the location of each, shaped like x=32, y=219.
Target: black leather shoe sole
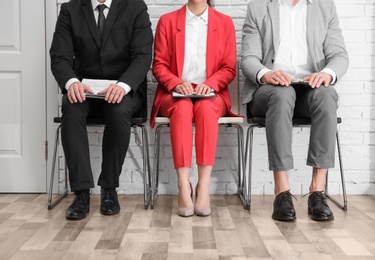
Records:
x=284, y=218
x=76, y=216
x=110, y=212
x=320, y=217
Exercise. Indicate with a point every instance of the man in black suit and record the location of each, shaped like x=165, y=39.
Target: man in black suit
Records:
x=112, y=42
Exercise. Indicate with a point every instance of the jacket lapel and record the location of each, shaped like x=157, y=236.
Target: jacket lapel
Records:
x=274, y=14
x=112, y=15
x=211, y=36
x=90, y=19
x=180, y=40
x=312, y=10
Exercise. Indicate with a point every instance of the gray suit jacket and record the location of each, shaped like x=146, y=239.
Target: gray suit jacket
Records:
x=260, y=41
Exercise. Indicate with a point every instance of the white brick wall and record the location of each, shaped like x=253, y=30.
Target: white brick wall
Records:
x=357, y=109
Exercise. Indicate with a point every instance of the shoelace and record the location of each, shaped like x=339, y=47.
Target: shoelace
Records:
x=319, y=196
x=111, y=192
x=77, y=199
x=286, y=197
x=317, y=192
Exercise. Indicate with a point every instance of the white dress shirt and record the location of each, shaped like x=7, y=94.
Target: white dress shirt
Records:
x=293, y=55
x=194, y=70
x=94, y=4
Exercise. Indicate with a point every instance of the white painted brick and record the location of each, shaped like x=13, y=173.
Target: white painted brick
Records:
x=360, y=23
x=349, y=138
x=369, y=139
x=369, y=87
x=350, y=112
x=369, y=113
x=351, y=10
x=369, y=36
x=357, y=100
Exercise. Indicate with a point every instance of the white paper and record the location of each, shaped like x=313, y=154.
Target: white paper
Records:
x=97, y=85
x=178, y=95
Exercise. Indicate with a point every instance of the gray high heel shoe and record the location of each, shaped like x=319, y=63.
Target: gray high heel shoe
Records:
x=200, y=211
x=188, y=211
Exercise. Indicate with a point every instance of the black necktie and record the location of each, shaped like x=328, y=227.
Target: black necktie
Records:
x=101, y=18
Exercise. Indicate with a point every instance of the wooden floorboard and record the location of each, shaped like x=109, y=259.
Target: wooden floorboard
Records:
x=28, y=230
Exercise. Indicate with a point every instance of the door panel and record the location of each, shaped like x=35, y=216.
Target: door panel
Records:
x=22, y=98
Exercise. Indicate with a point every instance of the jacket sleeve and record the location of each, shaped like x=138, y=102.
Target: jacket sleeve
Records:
x=162, y=58
x=336, y=56
x=226, y=72
x=62, y=52
x=141, y=49
x=252, y=55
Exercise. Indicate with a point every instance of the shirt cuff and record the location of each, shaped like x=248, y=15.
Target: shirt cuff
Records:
x=125, y=86
x=261, y=74
x=70, y=82
x=332, y=73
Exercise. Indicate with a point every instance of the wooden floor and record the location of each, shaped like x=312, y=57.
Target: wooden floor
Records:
x=29, y=231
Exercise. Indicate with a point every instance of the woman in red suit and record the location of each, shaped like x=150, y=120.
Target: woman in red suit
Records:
x=195, y=52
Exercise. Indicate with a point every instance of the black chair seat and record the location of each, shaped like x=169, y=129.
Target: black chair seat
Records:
x=100, y=121
x=296, y=121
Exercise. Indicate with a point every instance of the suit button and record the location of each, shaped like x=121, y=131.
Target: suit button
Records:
x=104, y=65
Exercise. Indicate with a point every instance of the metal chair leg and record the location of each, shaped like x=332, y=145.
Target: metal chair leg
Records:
x=146, y=166
x=248, y=160
x=155, y=184
x=343, y=205
x=59, y=196
x=242, y=191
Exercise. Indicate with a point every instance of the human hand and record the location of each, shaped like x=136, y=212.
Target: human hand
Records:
x=317, y=79
x=113, y=94
x=76, y=92
x=202, y=89
x=185, y=88
x=278, y=77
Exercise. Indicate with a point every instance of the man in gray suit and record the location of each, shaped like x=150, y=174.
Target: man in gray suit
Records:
x=293, y=53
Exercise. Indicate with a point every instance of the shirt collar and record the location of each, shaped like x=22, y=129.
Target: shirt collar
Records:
x=190, y=15
x=95, y=3
x=279, y=1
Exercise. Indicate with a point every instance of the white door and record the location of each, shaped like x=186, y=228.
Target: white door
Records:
x=22, y=96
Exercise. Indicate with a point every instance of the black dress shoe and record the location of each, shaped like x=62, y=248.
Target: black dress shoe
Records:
x=80, y=206
x=283, y=208
x=318, y=207
x=109, y=201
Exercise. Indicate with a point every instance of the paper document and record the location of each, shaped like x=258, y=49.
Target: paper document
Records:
x=178, y=95
x=299, y=82
x=96, y=86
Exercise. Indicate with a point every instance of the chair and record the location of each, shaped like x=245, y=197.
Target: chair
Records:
x=223, y=122
x=258, y=122
x=138, y=120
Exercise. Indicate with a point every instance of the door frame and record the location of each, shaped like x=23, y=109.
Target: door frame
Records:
x=51, y=88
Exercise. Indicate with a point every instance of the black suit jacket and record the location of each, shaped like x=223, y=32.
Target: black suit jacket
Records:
x=123, y=54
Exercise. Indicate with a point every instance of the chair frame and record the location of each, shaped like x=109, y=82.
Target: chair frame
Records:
x=223, y=122
x=147, y=176
x=259, y=122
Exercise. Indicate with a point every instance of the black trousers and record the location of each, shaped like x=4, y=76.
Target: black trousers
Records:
x=115, y=143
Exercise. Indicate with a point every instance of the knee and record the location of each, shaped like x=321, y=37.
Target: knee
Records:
x=75, y=111
x=118, y=114
x=283, y=99
x=325, y=95
x=205, y=108
x=182, y=108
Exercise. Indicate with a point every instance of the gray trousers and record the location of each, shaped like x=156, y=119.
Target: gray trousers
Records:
x=279, y=104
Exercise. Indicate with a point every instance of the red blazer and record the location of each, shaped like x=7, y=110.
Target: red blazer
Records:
x=169, y=52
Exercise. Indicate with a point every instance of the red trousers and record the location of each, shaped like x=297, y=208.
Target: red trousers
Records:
x=183, y=112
